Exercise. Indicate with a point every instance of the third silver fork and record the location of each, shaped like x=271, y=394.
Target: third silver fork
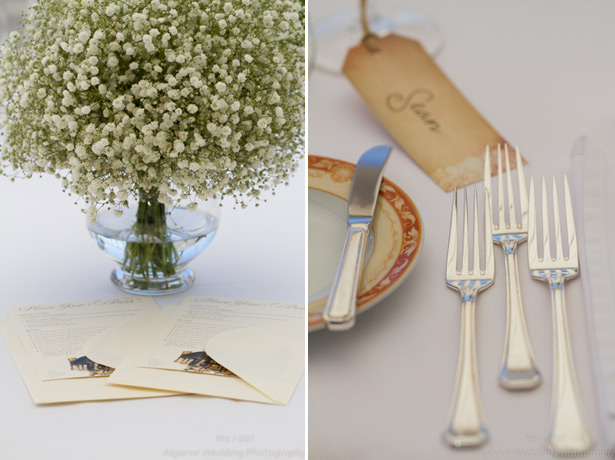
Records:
x=569, y=429
x=518, y=369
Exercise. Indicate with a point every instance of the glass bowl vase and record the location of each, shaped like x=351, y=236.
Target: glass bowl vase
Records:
x=153, y=256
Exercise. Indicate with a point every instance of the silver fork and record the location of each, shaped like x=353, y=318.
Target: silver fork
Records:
x=518, y=369
x=568, y=429
x=466, y=421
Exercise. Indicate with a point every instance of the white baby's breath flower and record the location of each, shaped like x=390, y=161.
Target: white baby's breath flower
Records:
x=81, y=151
x=118, y=103
x=111, y=9
x=112, y=61
x=84, y=36
x=179, y=146
x=197, y=99
x=98, y=147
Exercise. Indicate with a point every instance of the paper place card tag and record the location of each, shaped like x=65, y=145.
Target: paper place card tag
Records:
x=421, y=108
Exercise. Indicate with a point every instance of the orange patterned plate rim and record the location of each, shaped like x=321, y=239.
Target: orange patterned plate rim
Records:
x=408, y=220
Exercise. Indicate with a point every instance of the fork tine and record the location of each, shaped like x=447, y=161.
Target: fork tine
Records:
x=487, y=184
x=465, y=267
x=559, y=253
x=476, y=257
x=489, y=260
x=572, y=235
x=501, y=215
x=546, y=245
x=532, y=243
x=523, y=200
x=487, y=173
x=512, y=217
x=451, y=256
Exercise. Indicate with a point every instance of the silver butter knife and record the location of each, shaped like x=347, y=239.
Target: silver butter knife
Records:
x=340, y=309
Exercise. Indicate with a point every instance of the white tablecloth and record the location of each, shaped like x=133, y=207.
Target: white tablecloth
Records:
x=46, y=255
x=542, y=74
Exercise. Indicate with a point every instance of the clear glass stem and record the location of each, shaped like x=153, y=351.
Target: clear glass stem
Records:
x=336, y=33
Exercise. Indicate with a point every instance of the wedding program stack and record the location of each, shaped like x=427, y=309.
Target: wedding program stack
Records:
x=130, y=348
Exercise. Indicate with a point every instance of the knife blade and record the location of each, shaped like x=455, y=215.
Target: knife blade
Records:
x=340, y=308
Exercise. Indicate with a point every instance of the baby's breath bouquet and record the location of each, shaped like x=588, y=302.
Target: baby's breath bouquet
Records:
x=165, y=101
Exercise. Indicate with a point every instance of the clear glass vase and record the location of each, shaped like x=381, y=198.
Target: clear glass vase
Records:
x=153, y=244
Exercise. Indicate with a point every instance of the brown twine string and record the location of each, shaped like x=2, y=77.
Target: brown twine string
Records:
x=369, y=39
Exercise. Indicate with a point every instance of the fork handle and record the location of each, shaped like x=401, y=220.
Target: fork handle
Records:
x=340, y=309
x=518, y=369
x=569, y=429
x=466, y=421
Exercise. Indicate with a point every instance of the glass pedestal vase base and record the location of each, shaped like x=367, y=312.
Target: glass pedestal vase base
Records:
x=135, y=284
x=153, y=253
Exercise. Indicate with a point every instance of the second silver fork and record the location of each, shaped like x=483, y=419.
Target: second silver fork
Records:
x=518, y=370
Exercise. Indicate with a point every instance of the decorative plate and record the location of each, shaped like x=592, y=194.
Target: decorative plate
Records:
x=397, y=234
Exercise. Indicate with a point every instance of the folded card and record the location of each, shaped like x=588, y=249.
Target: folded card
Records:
x=65, y=352
x=74, y=340
x=238, y=349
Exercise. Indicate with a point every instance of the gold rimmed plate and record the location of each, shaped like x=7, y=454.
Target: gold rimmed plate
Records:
x=393, y=246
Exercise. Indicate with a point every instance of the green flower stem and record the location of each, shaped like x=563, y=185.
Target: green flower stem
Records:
x=150, y=256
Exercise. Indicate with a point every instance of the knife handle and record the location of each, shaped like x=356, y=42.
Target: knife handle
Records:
x=340, y=309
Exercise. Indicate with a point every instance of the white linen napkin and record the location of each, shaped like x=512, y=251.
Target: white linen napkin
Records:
x=593, y=179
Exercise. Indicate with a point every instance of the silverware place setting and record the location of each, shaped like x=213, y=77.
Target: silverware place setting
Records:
x=568, y=429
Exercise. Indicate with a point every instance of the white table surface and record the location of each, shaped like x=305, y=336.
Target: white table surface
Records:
x=542, y=74
x=46, y=255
